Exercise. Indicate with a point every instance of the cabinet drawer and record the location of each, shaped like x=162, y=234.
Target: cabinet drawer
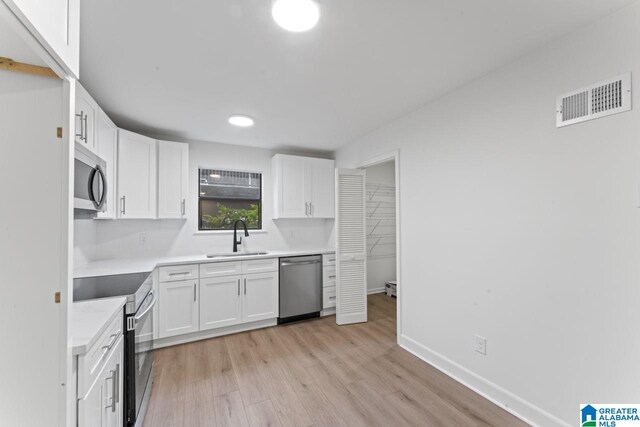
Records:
x=260, y=265
x=219, y=269
x=329, y=297
x=176, y=273
x=90, y=364
x=328, y=259
x=329, y=276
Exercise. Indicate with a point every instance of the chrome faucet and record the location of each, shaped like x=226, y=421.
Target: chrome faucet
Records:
x=237, y=241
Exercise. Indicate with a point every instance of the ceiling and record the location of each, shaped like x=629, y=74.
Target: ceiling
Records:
x=179, y=68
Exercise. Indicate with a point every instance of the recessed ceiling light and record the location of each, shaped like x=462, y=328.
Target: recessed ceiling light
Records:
x=295, y=15
x=242, y=121
x=214, y=175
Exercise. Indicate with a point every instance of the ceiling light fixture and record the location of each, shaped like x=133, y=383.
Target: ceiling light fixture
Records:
x=296, y=15
x=215, y=175
x=242, y=121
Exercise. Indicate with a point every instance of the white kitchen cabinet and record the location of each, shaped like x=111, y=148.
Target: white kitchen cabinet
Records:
x=56, y=25
x=260, y=296
x=179, y=306
x=137, y=175
x=303, y=187
x=86, y=119
x=107, y=140
x=290, y=186
x=321, y=183
x=103, y=404
x=173, y=179
x=220, y=302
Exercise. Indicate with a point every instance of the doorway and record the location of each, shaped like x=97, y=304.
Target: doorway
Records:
x=382, y=236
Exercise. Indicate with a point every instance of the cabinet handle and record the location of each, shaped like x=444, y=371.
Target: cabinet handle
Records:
x=194, y=292
x=81, y=125
x=306, y=208
x=183, y=207
x=117, y=386
x=123, y=210
x=113, y=340
x=179, y=273
x=332, y=277
x=332, y=298
x=85, y=127
x=238, y=287
x=245, y=286
x=310, y=209
x=114, y=387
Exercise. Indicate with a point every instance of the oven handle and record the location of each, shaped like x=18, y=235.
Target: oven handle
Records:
x=146, y=310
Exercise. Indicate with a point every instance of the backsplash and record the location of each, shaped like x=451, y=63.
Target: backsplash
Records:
x=150, y=238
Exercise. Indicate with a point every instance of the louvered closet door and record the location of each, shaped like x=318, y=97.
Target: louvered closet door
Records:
x=351, y=256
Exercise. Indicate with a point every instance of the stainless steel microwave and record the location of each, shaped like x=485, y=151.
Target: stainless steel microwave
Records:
x=90, y=182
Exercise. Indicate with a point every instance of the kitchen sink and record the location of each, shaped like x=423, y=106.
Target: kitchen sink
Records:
x=239, y=254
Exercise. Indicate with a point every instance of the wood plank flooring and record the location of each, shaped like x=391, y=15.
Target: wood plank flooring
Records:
x=312, y=373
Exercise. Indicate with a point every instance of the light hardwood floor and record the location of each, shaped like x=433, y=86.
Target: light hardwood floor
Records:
x=312, y=373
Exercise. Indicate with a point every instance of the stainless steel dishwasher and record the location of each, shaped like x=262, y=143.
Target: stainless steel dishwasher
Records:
x=300, y=288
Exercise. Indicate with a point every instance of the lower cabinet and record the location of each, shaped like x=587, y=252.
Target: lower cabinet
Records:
x=102, y=405
x=217, y=299
x=178, y=310
x=260, y=297
x=220, y=302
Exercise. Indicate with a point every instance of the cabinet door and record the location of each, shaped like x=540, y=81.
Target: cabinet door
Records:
x=113, y=416
x=178, y=310
x=91, y=409
x=321, y=177
x=220, y=302
x=137, y=173
x=290, y=187
x=260, y=296
x=56, y=25
x=102, y=406
x=107, y=141
x=86, y=119
x=173, y=178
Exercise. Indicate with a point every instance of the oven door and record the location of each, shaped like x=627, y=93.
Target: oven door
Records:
x=143, y=353
x=90, y=181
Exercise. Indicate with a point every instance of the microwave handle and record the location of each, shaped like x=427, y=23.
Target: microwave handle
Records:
x=98, y=171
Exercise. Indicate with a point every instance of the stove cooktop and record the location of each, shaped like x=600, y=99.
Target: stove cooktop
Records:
x=134, y=286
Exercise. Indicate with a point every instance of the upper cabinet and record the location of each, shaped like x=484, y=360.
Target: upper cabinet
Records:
x=107, y=140
x=56, y=25
x=173, y=179
x=86, y=119
x=137, y=175
x=303, y=187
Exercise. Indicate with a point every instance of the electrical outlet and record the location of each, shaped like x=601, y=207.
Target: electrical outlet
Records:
x=142, y=238
x=481, y=345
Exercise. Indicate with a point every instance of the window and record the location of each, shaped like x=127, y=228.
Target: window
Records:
x=227, y=196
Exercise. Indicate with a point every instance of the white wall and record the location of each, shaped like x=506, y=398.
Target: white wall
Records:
x=523, y=233
x=122, y=238
x=381, y=262
x=33, y=249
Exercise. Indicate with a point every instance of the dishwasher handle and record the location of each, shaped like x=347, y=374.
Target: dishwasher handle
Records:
x=290, y=263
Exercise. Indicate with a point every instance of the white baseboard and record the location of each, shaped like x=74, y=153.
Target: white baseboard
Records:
x=376, y=291
x=212, y=333
x=517, y=406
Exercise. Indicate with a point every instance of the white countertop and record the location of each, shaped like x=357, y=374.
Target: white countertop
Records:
x=90, y=319
x=140, y=265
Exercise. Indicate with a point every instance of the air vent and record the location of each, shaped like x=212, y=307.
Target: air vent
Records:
x=599, y=100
